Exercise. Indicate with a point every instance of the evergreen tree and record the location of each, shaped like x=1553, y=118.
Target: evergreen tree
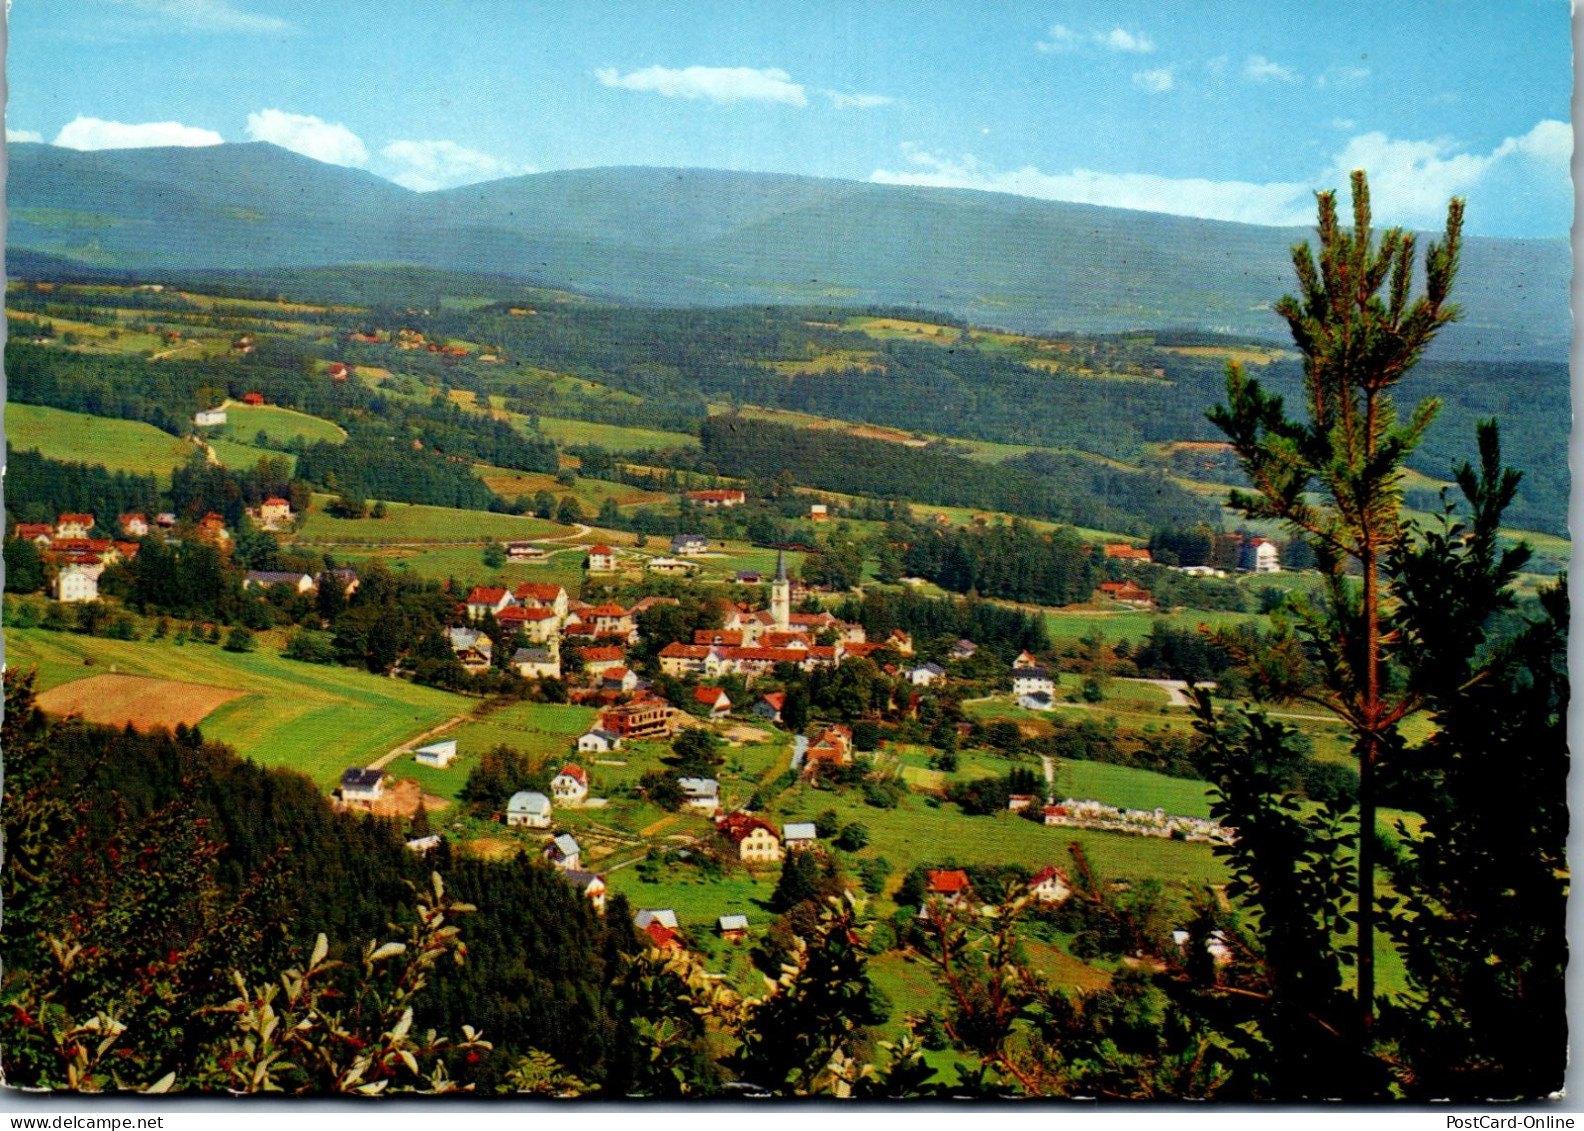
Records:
x=1335, y=479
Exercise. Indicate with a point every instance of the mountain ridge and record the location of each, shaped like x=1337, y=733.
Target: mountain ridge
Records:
x=676, y=236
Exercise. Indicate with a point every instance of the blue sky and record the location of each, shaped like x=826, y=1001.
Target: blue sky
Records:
x=1225, y=110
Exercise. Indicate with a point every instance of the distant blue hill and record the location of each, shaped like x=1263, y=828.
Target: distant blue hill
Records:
x=706, y=237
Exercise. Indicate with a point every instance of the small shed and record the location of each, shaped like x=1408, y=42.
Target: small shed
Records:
x=437, y=754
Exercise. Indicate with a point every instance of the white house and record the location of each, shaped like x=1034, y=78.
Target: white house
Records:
x=601, y=559
x=437, y=754
x=702, y=794
x=539, y=663
x=799, y=834
x=689, y=545
x=662, y=915
x=591, y=885
x=564, y=852
x=925, y=674
x=1049, y=885
x=528, y=809
x=362, y=786
x=598, y=741
x=1262, y=556
x=210, y=417
x=1032, y=681
x=1036, y=701
x=570, y=786
x=264, y=578
x=77, y=583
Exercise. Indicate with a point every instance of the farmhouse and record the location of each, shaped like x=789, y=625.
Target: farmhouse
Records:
x=689, y=545
x=678, y=659
x=1122, y=552
x=77, y=583
x=132, y=525
x=597, y=660
x=1025, y=660
x=768, y=707
x=747, y=577
x=700, y=793
x=564, y=852
x=538, y=663
x=74, y=525
x=663, y=938
x=486, y=600
x=644, y=916
x=819, y=512
x=473, y=649
x=208, y=418
x=756, y=839
x=1050, y=885
x=571, y=785
x=799, y=835
x=601, y=559
x=539, y=625
x=949, y=885
x=346, y=578
x=437, y=754
x=1037, y=701
x=528, y=809
x=964, y=650
x=733, y=928
x=255, y=400
x=597, y=741
x=526, y=552
x=339, y=371
x=592, y=886
x=925, y=674
x=542, y=595
x=668, y=567
x=361, y=786
x=211, y=528
x=39, y=533
x=1261, y=556
x=715, y=699
x=611, y=620
x=714, y=499
x=833, y=747
x=1032, y=681
x=264, y=578
x=619, y=679
x=274, y=513
x=1127, y=593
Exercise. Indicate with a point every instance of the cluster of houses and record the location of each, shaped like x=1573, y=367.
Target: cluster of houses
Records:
x=1090, y=814
x=952, y=888
x=302, y=583
x=78, y=559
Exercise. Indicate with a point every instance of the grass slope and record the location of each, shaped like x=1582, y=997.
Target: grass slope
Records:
x=308, y=717
x=120, y=445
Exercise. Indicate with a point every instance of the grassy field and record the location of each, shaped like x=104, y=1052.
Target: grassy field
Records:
x=309, y=717
x=590, y=493
x=613, y=437
x=120, y=445
x=280, y=425
x=244, y=457
x=539, y=729
x=415, y=522
x=1069, y=625
x=466, y=563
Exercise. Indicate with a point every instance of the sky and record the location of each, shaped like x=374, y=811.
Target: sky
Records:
x=1231, y=111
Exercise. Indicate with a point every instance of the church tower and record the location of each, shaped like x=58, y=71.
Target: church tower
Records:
x=781, y=595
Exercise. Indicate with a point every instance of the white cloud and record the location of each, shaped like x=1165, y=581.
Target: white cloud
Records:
x=1218, y=200
x=424, y=166
x=1416, y=178
x=718, y=84
x=1260, y=69
x=1342, y=76
x=96, y=133
x=1119, y=40
x=1410, y=181
x=312, y=137
x=1344, y=124
x=1060, y=38
x=205, y=15
x=1063, y=38
x=23, y=135
x=857, y=101
x=1157, y=81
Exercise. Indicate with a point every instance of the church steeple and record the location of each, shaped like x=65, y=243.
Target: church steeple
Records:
x=781, y=595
